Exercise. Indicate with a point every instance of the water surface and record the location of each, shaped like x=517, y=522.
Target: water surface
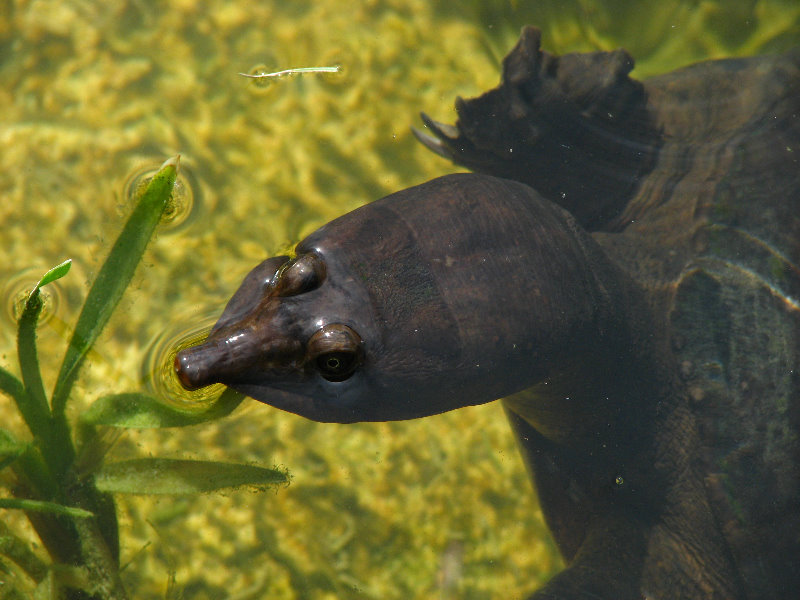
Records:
x=93, y=93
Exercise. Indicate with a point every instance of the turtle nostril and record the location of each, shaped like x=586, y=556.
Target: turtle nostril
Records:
x=189, y=370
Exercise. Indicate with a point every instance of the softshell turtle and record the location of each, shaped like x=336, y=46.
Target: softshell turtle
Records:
x=623, y=274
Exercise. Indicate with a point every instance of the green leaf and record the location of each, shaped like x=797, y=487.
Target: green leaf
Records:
x=55, y=273
x=10, y=448
x=44, y=507
x=12, y=386
x=26, y=340
x=31, y=399
x=52, y=434
x=180, y=477
x=8, y=443
x=114, y=277
x=34, y=407
x=19, y=552
x=140, y=411
x=30, y=467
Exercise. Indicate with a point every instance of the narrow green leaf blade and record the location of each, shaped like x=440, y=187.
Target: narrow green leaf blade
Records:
x=140, y=411
x=55, y=273
x=19, y=551
x=182, y=477
x=114, y=277
x=44, y=507
x=31, y=399
x=8, y=443
x=53, y=434
x=13, y=387
x=34, y=407
x=10, y=448
x=31, y=467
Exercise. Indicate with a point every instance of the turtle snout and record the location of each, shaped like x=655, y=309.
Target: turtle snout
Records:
x=253, y=353
x=195, y=367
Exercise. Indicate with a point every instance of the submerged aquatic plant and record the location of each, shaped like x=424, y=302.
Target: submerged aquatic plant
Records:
x=59, y=476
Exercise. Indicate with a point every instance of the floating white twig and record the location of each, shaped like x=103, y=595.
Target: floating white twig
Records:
x=296, y=71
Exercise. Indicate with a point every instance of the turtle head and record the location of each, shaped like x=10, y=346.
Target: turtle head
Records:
x=353, y=328
x=291, y=336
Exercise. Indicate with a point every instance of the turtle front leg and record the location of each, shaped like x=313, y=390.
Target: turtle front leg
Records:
x=627, y=510
x=600, y=527
x=608, y=566
x=575, y=128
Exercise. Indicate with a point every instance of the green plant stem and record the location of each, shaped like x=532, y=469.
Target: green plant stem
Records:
x=33, y=471
x=87, y=542
x=36, y=481
x=114, y=277
x=60, y=452
x=33, y=415
x=37, y=409
x=52, y=435
x=103, y=568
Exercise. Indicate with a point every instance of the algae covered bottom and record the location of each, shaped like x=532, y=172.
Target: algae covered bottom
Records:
x=95, y=93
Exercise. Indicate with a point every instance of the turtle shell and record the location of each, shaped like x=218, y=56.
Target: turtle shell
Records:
x=724, y=197
x=691, y=182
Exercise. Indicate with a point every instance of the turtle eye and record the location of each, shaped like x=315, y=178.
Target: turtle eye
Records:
x=336, y=366
x=303, y=274
x=335, y=351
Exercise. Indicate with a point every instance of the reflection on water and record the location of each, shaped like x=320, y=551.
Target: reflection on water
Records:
x=93, y=90
x=157, y=373
x=16, y=290
x=185, y=204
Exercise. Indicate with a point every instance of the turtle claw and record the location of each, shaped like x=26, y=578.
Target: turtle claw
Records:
x=440, y=130
x=445, y=141
x=434, y=144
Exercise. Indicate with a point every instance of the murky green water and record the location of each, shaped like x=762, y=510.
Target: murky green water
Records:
x=94, y=92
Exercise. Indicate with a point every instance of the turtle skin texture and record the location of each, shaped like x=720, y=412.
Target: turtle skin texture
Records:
x=690, y=183
x=620, y=271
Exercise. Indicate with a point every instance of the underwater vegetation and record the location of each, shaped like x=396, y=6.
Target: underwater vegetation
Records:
x=58, y=477
x=92, y=91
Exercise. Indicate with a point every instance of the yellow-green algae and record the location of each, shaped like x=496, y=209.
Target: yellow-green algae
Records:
x=93, y=91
